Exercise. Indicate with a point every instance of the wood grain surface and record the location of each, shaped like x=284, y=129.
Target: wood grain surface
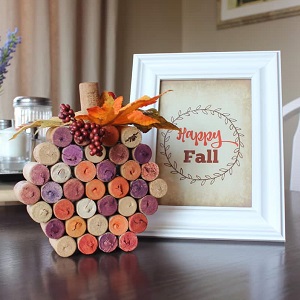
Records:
x=156, y=269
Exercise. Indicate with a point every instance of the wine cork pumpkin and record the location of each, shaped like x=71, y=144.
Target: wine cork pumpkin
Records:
x=91, y=186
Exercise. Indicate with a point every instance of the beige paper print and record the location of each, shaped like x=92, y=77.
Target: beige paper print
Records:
x=207, y=163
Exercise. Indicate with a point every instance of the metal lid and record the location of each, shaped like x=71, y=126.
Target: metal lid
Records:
x=5, y=124
x=31, y=101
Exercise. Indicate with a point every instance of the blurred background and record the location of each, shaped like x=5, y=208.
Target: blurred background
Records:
x=65, y=42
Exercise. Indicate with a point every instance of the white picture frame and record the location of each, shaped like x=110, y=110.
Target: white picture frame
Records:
x=232, y=13
x=265, y=219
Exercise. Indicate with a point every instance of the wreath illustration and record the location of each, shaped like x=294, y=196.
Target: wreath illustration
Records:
x=235, y=159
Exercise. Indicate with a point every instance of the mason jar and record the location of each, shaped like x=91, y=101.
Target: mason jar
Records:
x=29, y=109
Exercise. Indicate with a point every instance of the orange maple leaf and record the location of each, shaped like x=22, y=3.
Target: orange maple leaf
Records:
x=118, y=104
x=112, y=112
x=122, y=117
x=106, y=113
x=136, y=117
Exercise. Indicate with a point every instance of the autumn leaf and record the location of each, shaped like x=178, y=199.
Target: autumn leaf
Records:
x=96, y=114
x=161, y=123
x=164, y=124
x=122, y=117
x=141, y=102
x=105, y=96
x=52, y=122
x=103, y=114
x=118, y=104
x=106, y=113
x=110, y=98
x=87, y=118
x=136, y=117
x=112, y=112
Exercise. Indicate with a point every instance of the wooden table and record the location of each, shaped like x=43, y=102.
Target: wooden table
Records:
x=157, y=269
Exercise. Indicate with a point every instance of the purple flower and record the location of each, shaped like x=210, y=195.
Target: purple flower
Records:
x=6, y=52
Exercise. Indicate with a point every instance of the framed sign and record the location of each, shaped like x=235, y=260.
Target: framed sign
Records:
x=224, y=167
x=241, y=12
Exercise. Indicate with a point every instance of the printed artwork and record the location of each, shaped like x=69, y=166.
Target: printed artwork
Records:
x=208, y=162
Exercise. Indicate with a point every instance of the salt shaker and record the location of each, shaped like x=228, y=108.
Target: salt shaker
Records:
x=28, y=109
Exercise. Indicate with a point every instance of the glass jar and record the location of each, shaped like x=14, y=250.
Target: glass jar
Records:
x=28, y=109
x=14, y=153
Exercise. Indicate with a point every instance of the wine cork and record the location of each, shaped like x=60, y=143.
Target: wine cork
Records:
x=118, y=154
x=97, y=225
x=73, y=189
x=149, y=171
x=40, y=212
x=127, y=206
x=26, y=192
x=142, y=153
x=111, y=135
x=158, y=188
x=75, y=226
x=148, y=205
x=117, y=224
x=107, y=205
x=94, y=158
x=51, y=192
x=118, y=187
x=60, y=172
x=95, y=189
x=72, y=155
x=106, y=170
x=59, y=136
x=53, y=229
x=64, y=246
x=128, y=241
x=130, y=136
x=108, y=242
x=87, y=244
x=36, y=173
x=85, y=171
x=46, y=153
x=63, y=209
x=86, y=208
x=131, y=170
x=138, y=188
x=137, y=223
x=89, y=96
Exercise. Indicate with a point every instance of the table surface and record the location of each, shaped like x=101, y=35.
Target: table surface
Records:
x=157, y=269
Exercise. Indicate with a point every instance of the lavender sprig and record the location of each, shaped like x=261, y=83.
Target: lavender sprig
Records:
x=6, y=53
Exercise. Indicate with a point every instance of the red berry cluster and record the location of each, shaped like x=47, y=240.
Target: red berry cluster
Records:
x=85, y=133
x=66, y=113
x=96, y=137
x=88, y=133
